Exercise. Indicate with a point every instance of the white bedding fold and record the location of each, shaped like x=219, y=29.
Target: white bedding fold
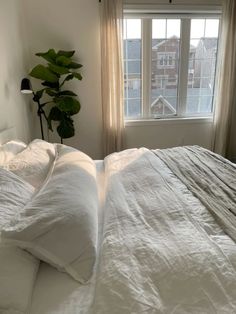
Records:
x=155, y=257
x=18, y=268
x=161, y=250
x=209, y=177
x=59, y=224
x=66, y=295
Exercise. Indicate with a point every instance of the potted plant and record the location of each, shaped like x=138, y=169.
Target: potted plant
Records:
x=60, y=69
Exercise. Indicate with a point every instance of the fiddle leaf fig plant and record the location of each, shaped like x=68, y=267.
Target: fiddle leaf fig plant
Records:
x=59, y=69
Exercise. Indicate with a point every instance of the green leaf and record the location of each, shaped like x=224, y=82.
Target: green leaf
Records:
x=69, y=77
x=44, y=74
x=51, y=92
x=77, y=75
x=74, y=65
x=66, y=93
x=63, y=61
x=39, y=93
x=50, y=55
x=55, y=114
x=66, y=128
x=68, y=104
x=51, y=85
x=67, y=54
x=58, y=69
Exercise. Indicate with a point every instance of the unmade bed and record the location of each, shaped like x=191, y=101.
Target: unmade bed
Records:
x=158, y=232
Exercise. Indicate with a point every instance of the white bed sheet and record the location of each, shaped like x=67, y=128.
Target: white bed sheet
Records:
x=56, y=292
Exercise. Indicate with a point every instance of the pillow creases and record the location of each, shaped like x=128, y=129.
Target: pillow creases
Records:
x=18, y=269
x=59, y=225
x=9, y=150
x=34, y=163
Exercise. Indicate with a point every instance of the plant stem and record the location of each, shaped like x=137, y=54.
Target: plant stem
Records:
x=45, y=103
x=63, y=82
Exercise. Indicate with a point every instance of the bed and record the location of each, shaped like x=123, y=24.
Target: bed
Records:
x=162, y=241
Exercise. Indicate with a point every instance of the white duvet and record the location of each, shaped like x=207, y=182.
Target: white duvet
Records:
x=159, y=254
x=18, y=268
x=161, y=250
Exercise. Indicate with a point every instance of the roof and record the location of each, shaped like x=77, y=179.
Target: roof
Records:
x=162, y=103
x=209, y=43
x=163, y=41
x=132, y=48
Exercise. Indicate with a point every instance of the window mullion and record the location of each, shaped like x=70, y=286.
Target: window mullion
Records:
x=183, y=70
x=146, y=66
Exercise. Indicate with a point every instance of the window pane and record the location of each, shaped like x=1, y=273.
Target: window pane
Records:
x=212, y=28
x=132, y=49
x=201, y=104
x=173, y=28
x=197, y=28
x=202, y=66
x=132, y=108
x=159, y=28
x=133, y=88
x=132, y=28
x=132, y=67
x=165, y=67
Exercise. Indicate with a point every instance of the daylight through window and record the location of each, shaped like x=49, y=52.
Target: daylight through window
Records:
x=169, y=66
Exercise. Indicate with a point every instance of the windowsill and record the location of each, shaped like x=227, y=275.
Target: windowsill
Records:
x=163, y=121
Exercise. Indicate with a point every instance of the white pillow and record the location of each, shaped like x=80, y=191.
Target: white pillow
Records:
x=18, y=268
x=59, y=225
x=9, y=150
x=18, y=271
x=34, y=162
x=14, y=194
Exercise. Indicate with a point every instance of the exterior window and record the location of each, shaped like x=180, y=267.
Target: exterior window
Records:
x=166, y=59
x=170, y=66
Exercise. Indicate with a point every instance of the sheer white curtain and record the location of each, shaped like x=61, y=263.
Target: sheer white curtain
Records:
x=112, y=74
x=226, y=91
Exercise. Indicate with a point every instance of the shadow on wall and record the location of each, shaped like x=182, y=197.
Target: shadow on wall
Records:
x=13, y=108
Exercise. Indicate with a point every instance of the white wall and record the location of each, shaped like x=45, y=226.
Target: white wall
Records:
x=14, y=109
x=72, y=25
x=169, y=133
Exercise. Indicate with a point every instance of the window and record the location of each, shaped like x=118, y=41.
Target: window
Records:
x=169, y=66
x=133, y=68
x=166, y=59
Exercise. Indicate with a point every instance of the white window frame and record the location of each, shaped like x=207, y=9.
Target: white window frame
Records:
x=146, y=38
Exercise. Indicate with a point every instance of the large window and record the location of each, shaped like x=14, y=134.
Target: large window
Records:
x=169, y=66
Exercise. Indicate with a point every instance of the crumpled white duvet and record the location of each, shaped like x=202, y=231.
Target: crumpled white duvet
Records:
x=161, y=250
x=18, y=269
x=159, y=254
